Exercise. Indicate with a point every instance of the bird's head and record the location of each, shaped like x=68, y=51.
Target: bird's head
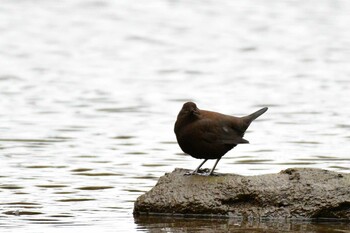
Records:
x=189, y=109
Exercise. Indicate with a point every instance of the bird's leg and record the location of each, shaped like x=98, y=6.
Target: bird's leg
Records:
x=200, y=165
x=212, y=170
x=196, y=170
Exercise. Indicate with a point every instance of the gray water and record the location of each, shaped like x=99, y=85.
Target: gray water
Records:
x=90, y=91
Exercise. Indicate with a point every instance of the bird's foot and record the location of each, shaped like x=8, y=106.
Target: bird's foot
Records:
x=201, y=172
x=189, y=173
x=208, y=174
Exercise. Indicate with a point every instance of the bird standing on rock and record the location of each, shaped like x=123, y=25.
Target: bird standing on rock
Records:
x=210, y=135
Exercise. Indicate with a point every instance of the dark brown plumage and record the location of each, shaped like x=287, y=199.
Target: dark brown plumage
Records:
x=210, y=135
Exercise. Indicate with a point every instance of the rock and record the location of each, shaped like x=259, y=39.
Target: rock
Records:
x=295, y=193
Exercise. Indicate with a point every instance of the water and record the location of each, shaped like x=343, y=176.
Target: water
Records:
x=90, y=91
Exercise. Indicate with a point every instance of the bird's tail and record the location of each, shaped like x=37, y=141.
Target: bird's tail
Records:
x=248, y=119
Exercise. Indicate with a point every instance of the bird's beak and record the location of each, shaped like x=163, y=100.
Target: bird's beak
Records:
x=195, y=112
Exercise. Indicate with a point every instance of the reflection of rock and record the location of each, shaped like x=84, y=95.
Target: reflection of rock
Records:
x=293, y=193
x=156, y=224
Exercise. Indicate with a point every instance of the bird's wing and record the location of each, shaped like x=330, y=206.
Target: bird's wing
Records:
x=231, y=136
x=214, y=132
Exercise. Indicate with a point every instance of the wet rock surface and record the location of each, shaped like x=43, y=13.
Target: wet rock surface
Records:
x=295, y=193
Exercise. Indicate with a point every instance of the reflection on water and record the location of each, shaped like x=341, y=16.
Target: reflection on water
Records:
x=90, y=91
x=178, y=224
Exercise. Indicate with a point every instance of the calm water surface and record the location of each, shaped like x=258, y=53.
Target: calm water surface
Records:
x=90, y=91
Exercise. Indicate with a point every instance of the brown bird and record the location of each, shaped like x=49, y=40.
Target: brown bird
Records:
x=210, y=135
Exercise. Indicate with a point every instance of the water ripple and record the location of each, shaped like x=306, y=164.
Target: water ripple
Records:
x=90, y=91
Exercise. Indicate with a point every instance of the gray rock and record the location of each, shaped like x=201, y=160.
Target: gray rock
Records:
x=295, y=193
